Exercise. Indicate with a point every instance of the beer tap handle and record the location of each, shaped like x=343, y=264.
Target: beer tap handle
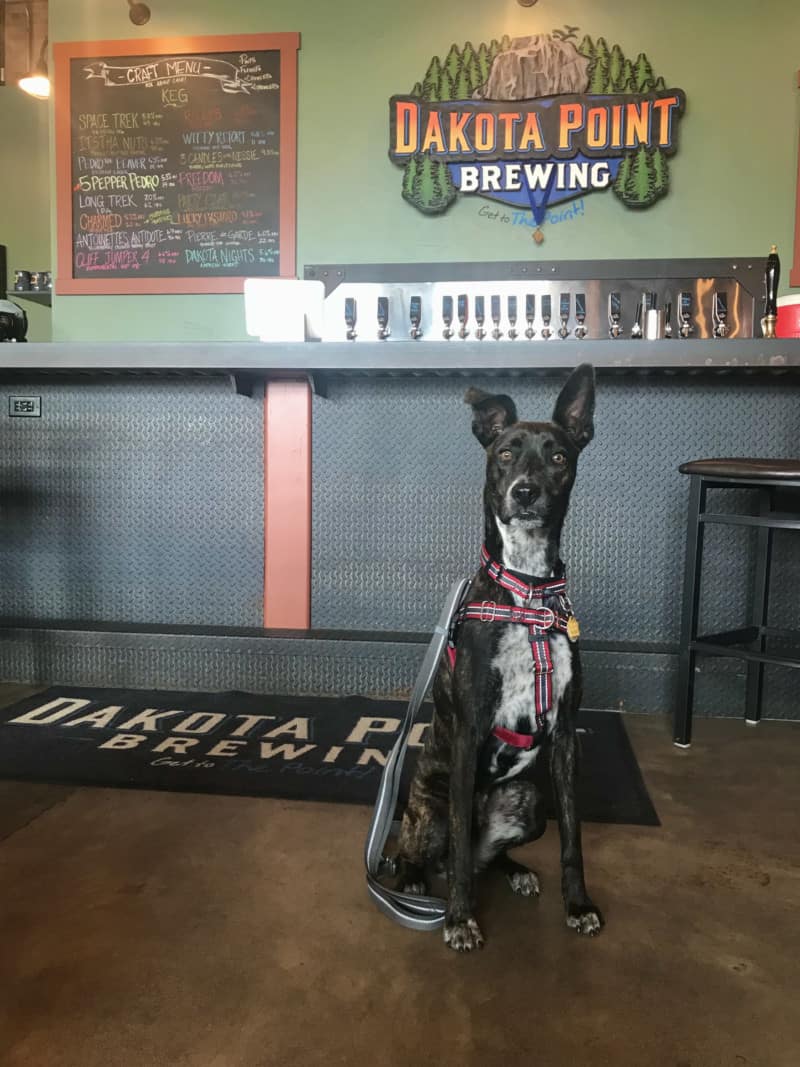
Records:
x=580, y=315
x=415, y=314
x=719, y=314
x=463, y=315
x=636, y=329
x=547, y=314
x=771, y=278
x=350, y=317
x=668, y=319
x=512, y=317
x=563, y=308
x=383, y=317
x=447, y=317
x=530, y=314
x=480, y=317
x=614, y=315
x=497, y=333
x=685, y=327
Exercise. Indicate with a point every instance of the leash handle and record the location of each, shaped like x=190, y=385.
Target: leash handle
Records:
x=414, y=912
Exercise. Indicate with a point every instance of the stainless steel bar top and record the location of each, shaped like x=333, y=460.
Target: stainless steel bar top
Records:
x=413, y=356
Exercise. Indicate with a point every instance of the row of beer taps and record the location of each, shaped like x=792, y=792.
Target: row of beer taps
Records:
x=649, y=320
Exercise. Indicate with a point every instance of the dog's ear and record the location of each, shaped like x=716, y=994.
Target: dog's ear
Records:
x=574, y=410
x=490, y=414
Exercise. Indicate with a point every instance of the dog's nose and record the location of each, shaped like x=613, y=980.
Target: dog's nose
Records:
x=525, y=494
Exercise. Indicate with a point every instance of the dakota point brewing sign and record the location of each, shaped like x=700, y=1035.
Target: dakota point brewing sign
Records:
x=534, y=121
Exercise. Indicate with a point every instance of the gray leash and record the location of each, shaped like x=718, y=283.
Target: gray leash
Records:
x=415, y=912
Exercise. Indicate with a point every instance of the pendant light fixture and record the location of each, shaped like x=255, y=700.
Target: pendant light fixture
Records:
x=139, y=14
x=37, y=82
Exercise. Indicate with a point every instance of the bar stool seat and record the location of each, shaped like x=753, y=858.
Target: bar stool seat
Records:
x=749, y=643
x=748, y=469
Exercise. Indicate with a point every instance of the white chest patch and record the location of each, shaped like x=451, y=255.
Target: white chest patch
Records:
x=516, y=710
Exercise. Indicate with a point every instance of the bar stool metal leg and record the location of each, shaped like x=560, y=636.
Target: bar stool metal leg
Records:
x=682, y=727
x=755, y=671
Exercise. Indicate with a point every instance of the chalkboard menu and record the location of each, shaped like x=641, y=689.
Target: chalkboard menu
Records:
x=175, y=163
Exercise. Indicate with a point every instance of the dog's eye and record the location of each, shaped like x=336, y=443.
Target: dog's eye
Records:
x=505, y=454
x=559, y=458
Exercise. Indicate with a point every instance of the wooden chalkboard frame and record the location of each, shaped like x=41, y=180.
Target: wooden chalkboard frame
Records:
x=794, y=275
x=286, y=43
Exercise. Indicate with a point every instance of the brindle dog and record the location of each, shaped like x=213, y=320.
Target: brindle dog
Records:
x=467, y=805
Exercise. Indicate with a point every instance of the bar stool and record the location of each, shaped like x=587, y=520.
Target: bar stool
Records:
x=749, y=643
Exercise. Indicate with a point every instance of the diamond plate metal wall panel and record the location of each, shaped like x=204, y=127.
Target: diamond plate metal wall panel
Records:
x=257, y=665
x=135, y=500
x=397, y=498
x=397, y=502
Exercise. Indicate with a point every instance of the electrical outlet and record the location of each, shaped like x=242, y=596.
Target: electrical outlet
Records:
x=25, y=406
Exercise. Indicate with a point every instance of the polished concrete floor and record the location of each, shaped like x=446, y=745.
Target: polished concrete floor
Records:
x=141, y=929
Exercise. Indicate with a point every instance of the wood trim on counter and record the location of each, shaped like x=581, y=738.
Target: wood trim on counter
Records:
x=794, y=274
x=287, y=505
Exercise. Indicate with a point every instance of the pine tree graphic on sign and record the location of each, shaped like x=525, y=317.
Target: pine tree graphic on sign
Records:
x=660, y=172
x=484, y=62
x=430, y=84
x=586, y=47
x=432, y=190
x=643, y=74
x=599, y=77
x=445, y=86
x=640, y=186
x=616, y=65
x=453, y=62
x=462, y=84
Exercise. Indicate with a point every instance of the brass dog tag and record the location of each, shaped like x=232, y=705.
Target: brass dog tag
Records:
x=573, y=629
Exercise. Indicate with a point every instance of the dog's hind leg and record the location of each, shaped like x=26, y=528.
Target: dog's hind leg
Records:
x=512, y=815
x=424, y=832
x=423, y=841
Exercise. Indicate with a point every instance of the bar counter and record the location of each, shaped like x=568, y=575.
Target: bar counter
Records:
x=144, y=510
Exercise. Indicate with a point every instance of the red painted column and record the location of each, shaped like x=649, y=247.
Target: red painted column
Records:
x=287, y=505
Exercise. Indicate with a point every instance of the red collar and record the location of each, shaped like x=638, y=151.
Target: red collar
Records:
x=514, y=582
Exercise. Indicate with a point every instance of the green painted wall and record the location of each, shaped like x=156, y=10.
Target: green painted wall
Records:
x=25, y=194
x=732, y=181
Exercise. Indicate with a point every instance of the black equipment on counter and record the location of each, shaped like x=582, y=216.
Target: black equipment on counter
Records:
x=13, y=322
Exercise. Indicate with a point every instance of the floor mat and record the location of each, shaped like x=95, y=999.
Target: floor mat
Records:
x=304, y=748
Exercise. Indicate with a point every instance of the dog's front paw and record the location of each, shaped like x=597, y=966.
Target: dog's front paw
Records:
x=462, y=934
x=585, y=919
x=525, y=883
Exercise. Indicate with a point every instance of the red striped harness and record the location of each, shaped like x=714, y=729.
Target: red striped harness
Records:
x=540, y=622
